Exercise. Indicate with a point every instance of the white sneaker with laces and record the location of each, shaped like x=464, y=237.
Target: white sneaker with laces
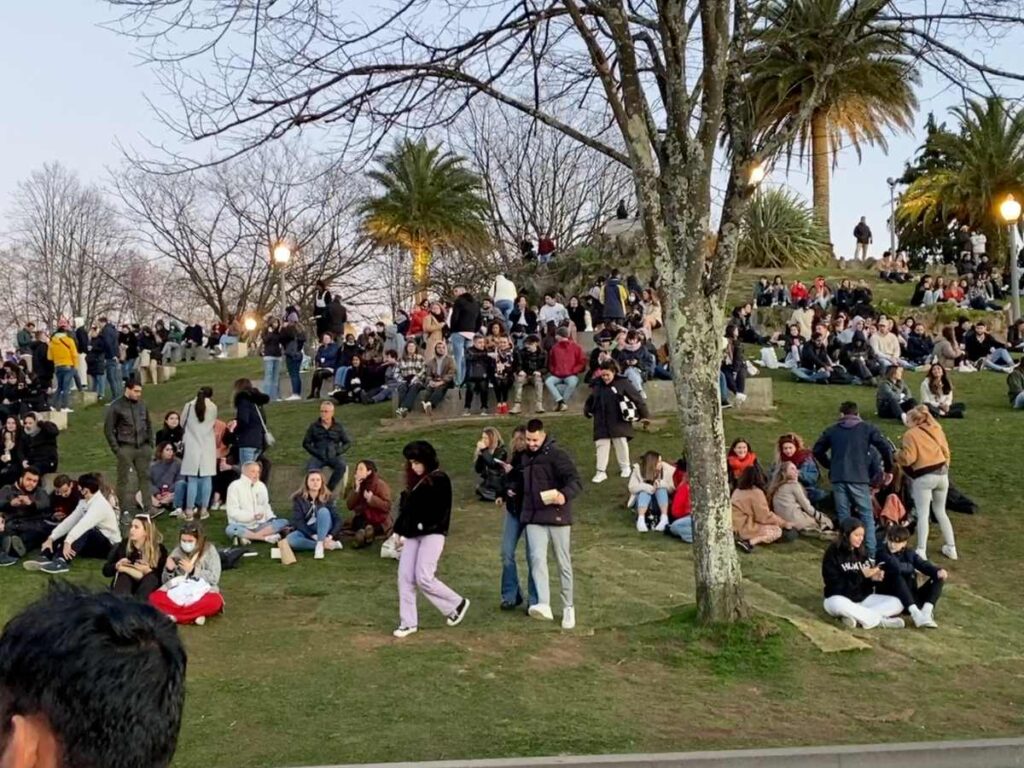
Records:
x=600, y=477
x=892, y=623
x=849, y=622
x=294, y=397
x=178, y=512
x=641, y=524
x=741, y=398
x=318, y=551
x=569, y=618
x=625, y=472
x=662, y=524
x=917, y=616
x=950, y=552
x=404, y=632
x=541, y=611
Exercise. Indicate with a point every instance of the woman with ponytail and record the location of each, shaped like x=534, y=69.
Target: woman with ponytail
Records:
x=199, y=464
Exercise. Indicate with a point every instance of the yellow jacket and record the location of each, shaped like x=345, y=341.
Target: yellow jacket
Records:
x=924, y=447
x=62, y=350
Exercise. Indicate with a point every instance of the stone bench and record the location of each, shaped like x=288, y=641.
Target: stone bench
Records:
x=760, y=394
x=84, y=398
x=236, y=351
x=165, y=373
x=54, y=417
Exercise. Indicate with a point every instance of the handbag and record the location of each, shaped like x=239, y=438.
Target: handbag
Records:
x=627, y=408
x=268, y=437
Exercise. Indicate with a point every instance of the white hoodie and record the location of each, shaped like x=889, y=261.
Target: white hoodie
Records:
x=248, y=503
x=94, y=513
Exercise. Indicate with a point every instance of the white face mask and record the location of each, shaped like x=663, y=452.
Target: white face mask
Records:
x=188, y=547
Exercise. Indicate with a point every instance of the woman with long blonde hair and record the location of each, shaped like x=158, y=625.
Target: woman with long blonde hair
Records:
x=488, y=462
x=313, y=519
x=137, y=563
x=651, y=480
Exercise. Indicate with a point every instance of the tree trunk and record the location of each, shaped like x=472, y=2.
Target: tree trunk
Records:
x=695, y=343
x=420, y=271
x=820, y=168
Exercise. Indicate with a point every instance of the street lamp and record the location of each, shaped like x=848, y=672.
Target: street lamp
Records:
x=249, y=324
x=1009, y=209
x=892, y=215
x=282, y=256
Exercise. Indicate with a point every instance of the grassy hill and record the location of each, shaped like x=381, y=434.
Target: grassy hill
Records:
x=302, y=668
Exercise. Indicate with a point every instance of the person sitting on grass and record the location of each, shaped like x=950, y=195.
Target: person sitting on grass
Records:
x=64, y=499
x=172, y=432
x=679, y=515
x=900, y=565
x=753, y=522
x=369, y=501
x=791, y=449
x=90, y=531
x=893, y=398
x=789, y=501
x=740, y=456
x=1015, y=386
x=651, y=481
x=937, y=394
x=136, y=564
x=166, y=481
x=313, y=520
x=489, y=460
x=250, y=517
x=851, y=577
x=192, y=573
x=39, y=445
x=983, y=351
x=24, y=508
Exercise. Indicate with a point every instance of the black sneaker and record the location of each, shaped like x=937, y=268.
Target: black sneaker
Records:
x=507, y=605
x=744, y=546
x=460, y=613
x=35, y=563
x=56, y=566
x=6, y=560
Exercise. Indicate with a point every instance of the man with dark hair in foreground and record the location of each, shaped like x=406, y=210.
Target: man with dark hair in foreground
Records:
x=90, y=680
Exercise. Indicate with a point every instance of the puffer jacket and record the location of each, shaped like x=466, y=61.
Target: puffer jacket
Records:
x=603, y=407
x=549, y=468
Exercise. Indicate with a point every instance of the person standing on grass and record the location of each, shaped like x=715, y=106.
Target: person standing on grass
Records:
x=547, y=483
x=326, y=442
x=250, y=430
x=271, y=349
x=851, y=577
x=425, y=512
x=844, y=449
x=611, y=430
x=199, y=464
x=129, y=433
x=925, y=458
x=73, y=664
x=513, y=529
x=63, y=352
x=111, y=351
x=863, y=238
x=194, y=560
x=293, y=339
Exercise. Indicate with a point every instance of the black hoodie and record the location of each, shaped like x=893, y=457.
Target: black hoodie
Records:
x=841, y=572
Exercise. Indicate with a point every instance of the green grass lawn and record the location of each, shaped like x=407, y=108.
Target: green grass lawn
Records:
x=302, y=668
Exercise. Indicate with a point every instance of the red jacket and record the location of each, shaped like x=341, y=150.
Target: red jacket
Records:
x=566, y=358
x=681, y=497
x=416, y=322
x=798, y=292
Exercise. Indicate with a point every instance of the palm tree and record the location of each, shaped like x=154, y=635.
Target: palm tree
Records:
x=862, y=70
x=428, y=200
x=981, y=164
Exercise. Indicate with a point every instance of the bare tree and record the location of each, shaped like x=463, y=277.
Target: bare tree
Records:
x=217, y=226
x=668, y=78
x=539, y=180
x=67, y=247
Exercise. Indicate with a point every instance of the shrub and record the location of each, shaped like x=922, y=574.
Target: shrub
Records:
x=780, y=232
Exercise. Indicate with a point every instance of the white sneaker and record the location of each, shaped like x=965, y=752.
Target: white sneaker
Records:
x=741, y=398
x=569, y=618
x=179, y=512
x=928, y=614
x=922, y=553
x=273, y=538
x=917, y=616
x=404, y=632
x=318, y=551
x=600, y=477
x=662, y=524
x=200, y=621
x=641, y=524
x=541, y=611
x=892, y=623
x=625, y=472
x=849, y=622
x=294, y=397
x=949, y=552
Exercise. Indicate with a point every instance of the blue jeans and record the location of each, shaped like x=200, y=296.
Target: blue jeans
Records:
x=561, y=388
x=856, y=498
x=805, y=374
x=643, y=500
x=128, y=368
x=459, y=344
x=99, y=386
x=198, y=492
x=337, y=467
x=633, y=375
x=242, y=531
x=505, y=307
x=1019, y=401
x=682, y=528
x=511, y=533
x=226, y=341
x=294, y=366
x=271, y=373
x=113, y=368
x=723, y=388
x=246, y=455
x=998, y=357
x=180, y=494
x=340, y=374
x=300, y=541
x=65, y=378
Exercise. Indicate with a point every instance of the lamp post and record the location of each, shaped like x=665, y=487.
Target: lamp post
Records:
x=282, y=255
x=1009, y=209
x=892, y=215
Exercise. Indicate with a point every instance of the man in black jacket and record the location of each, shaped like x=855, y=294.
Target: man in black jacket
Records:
x=862, y=234
x=23, y=510
x=337, y=316
x=326, y=441
x=111, y=352
x=547, y=483
x=129, y=432
x=464, y=325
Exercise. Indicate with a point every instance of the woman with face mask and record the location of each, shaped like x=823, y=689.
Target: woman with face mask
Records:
x=191, y=575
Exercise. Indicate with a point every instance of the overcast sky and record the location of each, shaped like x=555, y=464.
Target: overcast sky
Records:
x=73, y=90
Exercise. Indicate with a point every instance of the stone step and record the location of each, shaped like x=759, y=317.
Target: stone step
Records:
x=54, y=417
x=82, y=399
